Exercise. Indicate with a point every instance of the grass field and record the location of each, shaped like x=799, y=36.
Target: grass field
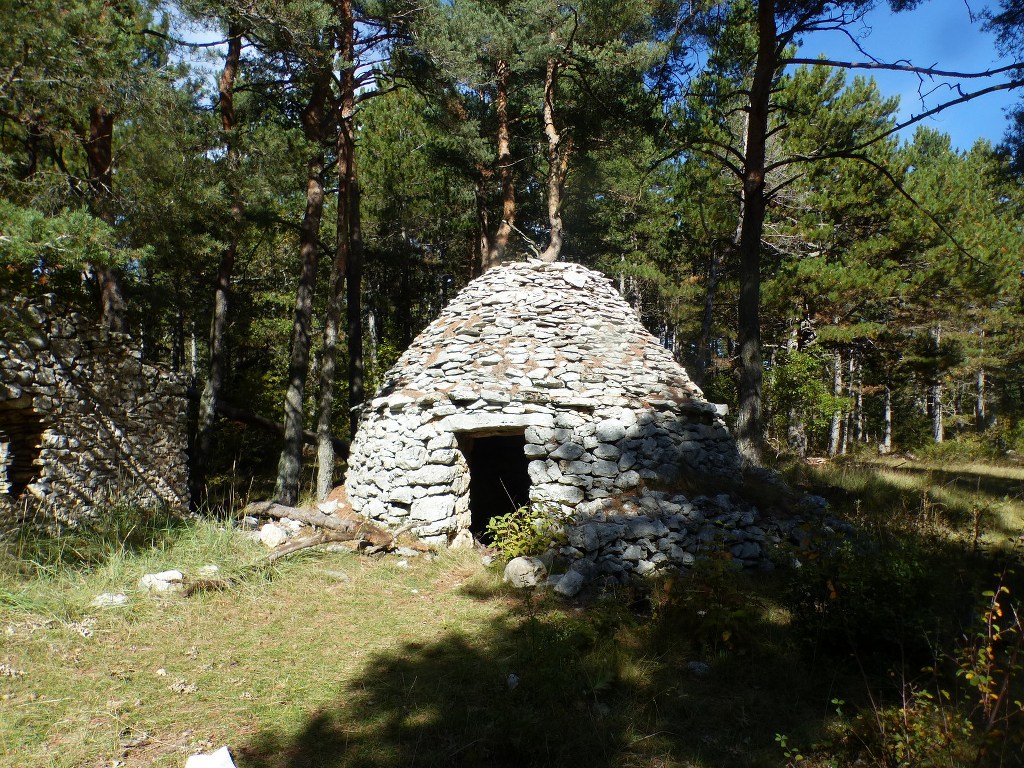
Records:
x=331, y=659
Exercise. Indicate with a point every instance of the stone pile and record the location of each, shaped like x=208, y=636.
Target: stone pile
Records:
x=613, y=543
x=84, y=422
x=549, y=351
x=645, y=534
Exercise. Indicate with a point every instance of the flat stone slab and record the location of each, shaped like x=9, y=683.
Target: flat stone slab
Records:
x=479, y=422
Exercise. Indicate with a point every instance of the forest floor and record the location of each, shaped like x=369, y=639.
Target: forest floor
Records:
x=332, y=659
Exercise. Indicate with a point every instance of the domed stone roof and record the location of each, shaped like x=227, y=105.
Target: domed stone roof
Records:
x=537, y=385
x=531, y=331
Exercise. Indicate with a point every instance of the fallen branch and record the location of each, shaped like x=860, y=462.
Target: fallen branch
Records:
x=302, y=514
x=321, y=537
x=349, y=527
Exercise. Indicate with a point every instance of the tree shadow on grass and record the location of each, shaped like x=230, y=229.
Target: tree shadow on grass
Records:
x=596, y=686
x=613, y=683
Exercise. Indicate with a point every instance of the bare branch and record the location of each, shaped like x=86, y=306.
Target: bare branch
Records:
x=914, y=119
x=900, y=67
x=183, y=43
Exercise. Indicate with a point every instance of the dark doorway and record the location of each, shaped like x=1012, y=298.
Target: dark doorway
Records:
x=21, y=433
x=498, y=480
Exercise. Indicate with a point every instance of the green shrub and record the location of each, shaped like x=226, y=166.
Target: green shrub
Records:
x=527, y=531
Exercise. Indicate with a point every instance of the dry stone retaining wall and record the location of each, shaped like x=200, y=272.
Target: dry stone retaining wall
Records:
x=84, y=422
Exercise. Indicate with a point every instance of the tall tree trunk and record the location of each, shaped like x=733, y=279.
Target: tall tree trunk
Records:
x=749, y=419
x=290, y=465
x=848, y=418
x=837, y=415
x=373, y=335
x=345, y=143
x=559, y=152
x=315, y=125
x=213, y=389
x=99, y=150
x=938, y=425
x=935, y=392
x=482, y=242
x=858, y=403
x=178, y=340
x=354, y=283
x=979, y=401
x=193, y=357
x=886, y=446
x=496, y=252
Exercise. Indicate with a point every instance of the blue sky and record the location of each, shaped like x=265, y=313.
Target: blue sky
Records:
x=940, y=33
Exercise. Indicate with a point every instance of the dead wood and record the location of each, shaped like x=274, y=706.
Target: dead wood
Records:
x=312, y=517
x=295, y=545
x=345, y=525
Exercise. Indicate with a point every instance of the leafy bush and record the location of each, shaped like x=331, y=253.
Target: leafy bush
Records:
x=527, y=531
x=798, y=381
x=992, y=663
x=924, y=730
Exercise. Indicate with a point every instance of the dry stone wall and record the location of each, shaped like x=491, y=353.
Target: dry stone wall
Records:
x=552, y=352
x=84, y=422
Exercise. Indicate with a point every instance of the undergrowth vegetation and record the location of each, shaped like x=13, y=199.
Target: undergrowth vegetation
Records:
x=895, y=643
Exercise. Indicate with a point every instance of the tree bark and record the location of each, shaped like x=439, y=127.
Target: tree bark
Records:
x=559, y=152
x=835, y=432
x=99, y=150
x=858, y=402
x=935, y=393
x=342, y=252
x=287, y=487
x=213, y=389
x=354, y=283
x=749, y=419
x=848, y=416
x=796, y=432
x=482, y=242
x=980, y=415
x=886, y=446
x=496, y=251
x=269, y=425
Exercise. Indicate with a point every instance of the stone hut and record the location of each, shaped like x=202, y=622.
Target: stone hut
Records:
x=537, y=384
x=84, y=422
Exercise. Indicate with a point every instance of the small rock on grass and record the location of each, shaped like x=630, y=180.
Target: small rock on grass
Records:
x=219, y=759
x=570, y=584
x=273, y=535
x=165, y=581
x=109, y=600
x=525, y=572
